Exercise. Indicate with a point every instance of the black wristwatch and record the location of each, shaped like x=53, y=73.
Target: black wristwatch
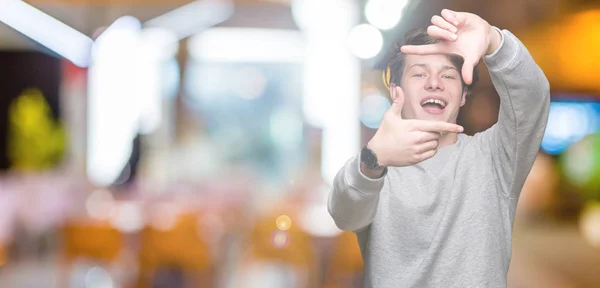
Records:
x=369, y=159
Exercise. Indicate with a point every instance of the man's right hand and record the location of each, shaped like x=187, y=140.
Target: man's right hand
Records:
x=403, y=142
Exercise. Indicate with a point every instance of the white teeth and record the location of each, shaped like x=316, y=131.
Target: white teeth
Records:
x=434, y=101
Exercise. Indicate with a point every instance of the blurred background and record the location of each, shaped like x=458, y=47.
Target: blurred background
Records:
x=154, y=143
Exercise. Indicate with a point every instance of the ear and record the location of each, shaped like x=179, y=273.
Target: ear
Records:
x=463, y=99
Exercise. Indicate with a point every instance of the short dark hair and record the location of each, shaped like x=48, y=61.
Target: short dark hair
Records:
x=395, y=66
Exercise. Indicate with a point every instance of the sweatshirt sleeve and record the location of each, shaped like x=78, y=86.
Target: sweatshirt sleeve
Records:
x=513, y=142
x=354, y=197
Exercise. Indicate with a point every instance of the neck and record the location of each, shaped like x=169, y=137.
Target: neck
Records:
x=447, y=139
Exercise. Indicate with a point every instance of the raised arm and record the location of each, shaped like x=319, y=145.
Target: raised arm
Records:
x=513, y=142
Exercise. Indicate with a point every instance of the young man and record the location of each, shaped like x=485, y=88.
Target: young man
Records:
x=431, y=206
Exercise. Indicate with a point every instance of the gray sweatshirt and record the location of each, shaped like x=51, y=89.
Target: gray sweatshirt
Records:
x=447, y=221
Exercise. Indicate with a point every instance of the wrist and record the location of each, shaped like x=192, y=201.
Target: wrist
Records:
x=375, y=150
x=494, y=40
x=372, y=173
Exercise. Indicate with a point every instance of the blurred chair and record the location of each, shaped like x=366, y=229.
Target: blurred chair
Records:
x=177, y=252
x=93, y=241
x=287, y=257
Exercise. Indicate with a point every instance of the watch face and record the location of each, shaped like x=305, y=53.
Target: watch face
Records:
x=368, y=158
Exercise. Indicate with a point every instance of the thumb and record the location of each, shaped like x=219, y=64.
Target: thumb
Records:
x=467, y=70
x=398, y=98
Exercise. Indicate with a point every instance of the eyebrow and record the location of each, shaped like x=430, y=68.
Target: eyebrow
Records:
x=425, y=66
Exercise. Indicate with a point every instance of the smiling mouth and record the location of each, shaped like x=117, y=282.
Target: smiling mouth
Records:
x=434, y=106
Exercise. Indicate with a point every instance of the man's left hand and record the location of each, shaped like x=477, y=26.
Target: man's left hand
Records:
x=465, y=34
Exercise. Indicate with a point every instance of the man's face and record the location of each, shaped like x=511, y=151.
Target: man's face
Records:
x=432, y=88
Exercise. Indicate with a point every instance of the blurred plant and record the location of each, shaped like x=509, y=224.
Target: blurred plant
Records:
x=35, y=140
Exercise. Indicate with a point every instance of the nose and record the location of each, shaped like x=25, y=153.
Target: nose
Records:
x=433, y=83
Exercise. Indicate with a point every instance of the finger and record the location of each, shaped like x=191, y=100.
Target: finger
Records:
x=439, y=33
x=423, y=49
x=399, y=95
x=467, y=70
x=452, y=17
x=437, y=126
x=398, y=98
x=426, y=155
x=428, y=136
x=442, y=23
x=424, y=147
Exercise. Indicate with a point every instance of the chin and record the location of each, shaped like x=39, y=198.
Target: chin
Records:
x=439, y=117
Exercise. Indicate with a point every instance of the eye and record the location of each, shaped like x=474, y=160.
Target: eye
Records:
x=448, y=77
x=419, y=75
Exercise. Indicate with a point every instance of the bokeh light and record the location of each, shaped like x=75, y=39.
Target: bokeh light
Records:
x=280, y=239
x=372, y=109
x=164, y=216
x=568, y=122
x=589, y=224
x=384, y=14
x=581, y=166
x=97, y=277
x=283, y=222
x=365, y=41
x=100, y=204
x=128, y=217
